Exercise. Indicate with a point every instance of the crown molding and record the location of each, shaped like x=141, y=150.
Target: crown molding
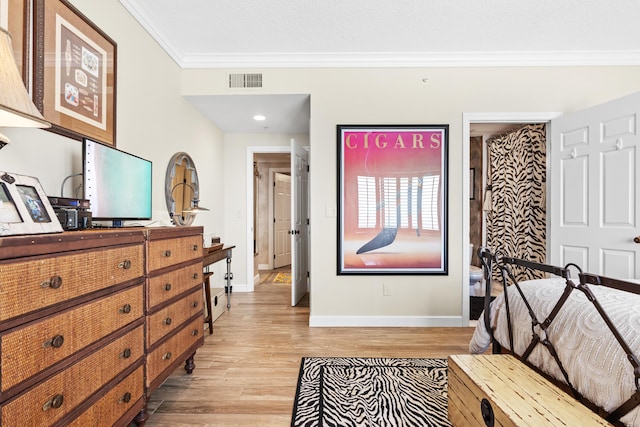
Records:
x=411, y=59
x=142, y=15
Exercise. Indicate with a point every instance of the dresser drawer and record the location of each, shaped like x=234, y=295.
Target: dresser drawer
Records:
x=169, y=318
x=36, y=283
x=115, y=403
x=168, y=285
x=38, y=345
x=167, y=252
x=52, y=399
x=173, y=349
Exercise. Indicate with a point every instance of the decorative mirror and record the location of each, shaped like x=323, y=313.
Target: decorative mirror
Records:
x=181, y=189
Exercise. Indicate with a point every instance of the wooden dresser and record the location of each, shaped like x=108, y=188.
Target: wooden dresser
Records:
x=174, y=303
x=85, y=334
x=72, y=328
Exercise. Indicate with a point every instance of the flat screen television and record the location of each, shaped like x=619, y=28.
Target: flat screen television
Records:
x=117, y=184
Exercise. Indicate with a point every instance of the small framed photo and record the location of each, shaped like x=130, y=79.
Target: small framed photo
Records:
x=24, y=207
x=392, y=199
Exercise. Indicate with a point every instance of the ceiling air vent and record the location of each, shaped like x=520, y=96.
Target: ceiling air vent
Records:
x=245, y=81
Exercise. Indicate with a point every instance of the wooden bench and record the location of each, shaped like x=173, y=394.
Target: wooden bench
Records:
x=499, y=390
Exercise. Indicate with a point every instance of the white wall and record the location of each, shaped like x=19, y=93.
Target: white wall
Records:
x=400, y=96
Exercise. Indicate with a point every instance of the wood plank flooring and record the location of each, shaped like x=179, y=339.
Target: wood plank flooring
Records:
x=247, y=371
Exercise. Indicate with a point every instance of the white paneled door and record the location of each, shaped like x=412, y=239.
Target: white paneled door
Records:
x=299, y=221
x=282, y=220
x=594, y=189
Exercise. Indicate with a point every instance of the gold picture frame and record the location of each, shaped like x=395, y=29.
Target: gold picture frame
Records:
x=74, y=73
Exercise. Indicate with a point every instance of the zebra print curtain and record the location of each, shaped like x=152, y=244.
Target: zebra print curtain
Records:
x=516, y=222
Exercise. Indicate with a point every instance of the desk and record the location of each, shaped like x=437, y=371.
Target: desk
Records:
x=211, y=257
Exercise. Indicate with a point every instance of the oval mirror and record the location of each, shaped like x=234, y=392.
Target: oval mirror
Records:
x=181, y=189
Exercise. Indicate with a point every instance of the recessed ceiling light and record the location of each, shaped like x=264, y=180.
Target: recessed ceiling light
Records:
x=259, y=117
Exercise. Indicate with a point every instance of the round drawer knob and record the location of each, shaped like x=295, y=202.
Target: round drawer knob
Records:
x=55, y=342
x=167, y=321
x=167, y=356
x=55, y=402
x=167, y=287
x=126, y=353
x=126, y=398
x=166, y=253
x=54, y=283
x=126, y=264
x=126, y=309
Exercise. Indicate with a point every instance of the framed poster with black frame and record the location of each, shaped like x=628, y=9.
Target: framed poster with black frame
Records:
x=24, y=207
x=392, y=199
x=74, y=73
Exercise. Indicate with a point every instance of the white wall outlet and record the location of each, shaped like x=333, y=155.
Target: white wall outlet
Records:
x=386, y=290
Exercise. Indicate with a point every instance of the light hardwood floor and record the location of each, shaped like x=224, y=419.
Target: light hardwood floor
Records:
x=247, y=371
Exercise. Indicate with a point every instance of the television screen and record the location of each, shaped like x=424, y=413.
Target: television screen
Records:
x=117, y=184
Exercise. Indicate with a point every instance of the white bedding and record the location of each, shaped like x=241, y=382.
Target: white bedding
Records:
x=595, y=362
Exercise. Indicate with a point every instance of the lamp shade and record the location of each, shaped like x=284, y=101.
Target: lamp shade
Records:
x=16, y=107
x=195, y=208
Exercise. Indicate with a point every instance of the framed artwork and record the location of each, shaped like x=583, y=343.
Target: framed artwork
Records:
x=24, y=207
x=74, y=73
x=14, y=16
x=392, y=199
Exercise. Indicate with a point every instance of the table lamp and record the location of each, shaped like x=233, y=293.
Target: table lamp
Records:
x=190, y=211
x=16, y=107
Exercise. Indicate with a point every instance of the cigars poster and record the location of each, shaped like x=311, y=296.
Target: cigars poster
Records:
x=392, y=199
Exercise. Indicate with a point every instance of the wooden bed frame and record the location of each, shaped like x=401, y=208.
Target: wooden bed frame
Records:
x=505, y=265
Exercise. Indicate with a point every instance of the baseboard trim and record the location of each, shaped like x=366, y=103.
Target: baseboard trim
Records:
x=385, y=321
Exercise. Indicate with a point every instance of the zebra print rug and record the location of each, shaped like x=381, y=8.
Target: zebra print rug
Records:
x=335, y=391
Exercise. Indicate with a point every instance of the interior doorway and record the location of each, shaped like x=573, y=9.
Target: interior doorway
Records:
x=267, y=166
x=477, y=124
x=480, y=134
x=262, y=214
